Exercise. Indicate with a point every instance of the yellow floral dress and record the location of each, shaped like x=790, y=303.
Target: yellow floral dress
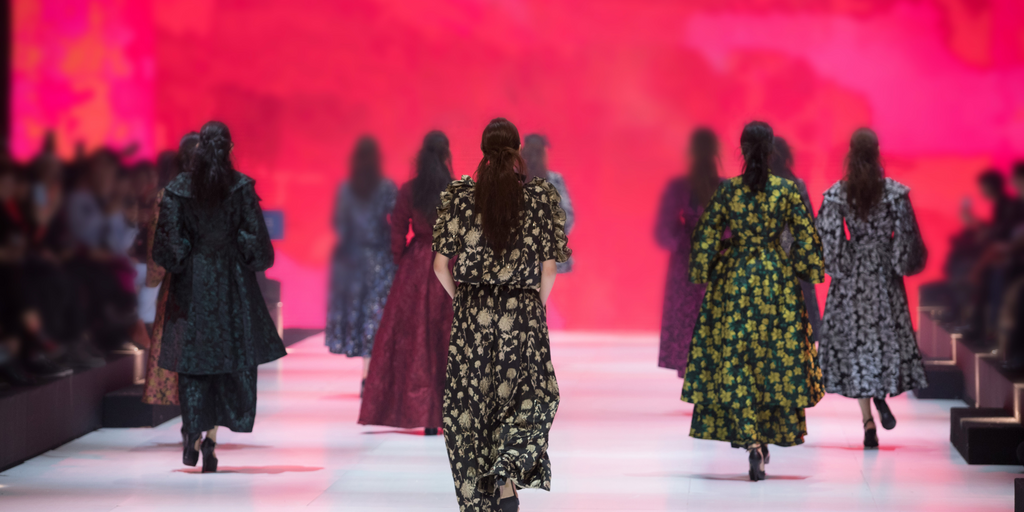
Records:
x=752, y=368
x=500, y=393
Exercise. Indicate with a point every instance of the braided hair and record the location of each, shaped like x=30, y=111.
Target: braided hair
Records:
x=212, y=171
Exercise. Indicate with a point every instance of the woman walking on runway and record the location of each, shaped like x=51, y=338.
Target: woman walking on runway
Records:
x=868, y=347
x=362, y=268
x=212, y=238
x=501, y=394
x=682, y=204
x=405, y=384
x=752, y=372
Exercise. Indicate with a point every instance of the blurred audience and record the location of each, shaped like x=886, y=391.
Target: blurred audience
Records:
x=70, y=252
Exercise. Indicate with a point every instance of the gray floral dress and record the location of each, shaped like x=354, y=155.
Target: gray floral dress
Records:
x=501, y=394
x=868, y=347
x=362, y=269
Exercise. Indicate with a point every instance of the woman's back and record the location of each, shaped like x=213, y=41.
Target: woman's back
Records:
x=540, y=236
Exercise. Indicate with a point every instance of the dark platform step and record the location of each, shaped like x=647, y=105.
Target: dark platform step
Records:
x=124, y=409
x=985, y=436
x=36, y=419
x=945, y=381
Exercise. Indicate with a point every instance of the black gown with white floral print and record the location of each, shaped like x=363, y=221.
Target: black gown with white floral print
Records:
x=868, y=347
x=501, y=394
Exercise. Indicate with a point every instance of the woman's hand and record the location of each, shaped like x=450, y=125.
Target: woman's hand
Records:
x=547, y=280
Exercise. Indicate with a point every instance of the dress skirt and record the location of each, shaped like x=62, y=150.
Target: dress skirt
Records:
x=405, y=383
x=501, y=394
x=222, y=399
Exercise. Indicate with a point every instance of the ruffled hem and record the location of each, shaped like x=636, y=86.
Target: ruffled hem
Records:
x=560, y=244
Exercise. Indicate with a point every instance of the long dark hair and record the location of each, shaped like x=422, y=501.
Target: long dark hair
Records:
x=782, y=160
x=212, y=171
x=535, y=151
x=433, y=173
x=865, y=182
x=170, y=163
x=756, y=144
x=703, y=166
x=366, y=167
x=499, y=189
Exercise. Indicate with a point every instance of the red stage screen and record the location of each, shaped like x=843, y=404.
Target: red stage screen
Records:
x=617, y=86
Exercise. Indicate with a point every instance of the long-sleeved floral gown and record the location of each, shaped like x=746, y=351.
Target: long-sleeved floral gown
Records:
x=752, y=368
x=501, y=394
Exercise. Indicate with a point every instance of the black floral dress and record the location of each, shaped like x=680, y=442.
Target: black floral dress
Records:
x=501, y=394
x=752, y=368
x=868, y=346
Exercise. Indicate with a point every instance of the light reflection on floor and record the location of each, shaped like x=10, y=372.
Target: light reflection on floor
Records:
x=619, y=444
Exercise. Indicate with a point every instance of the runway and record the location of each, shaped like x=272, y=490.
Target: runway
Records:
x=619, y=444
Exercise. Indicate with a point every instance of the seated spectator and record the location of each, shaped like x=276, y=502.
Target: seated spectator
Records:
x=1011, y=315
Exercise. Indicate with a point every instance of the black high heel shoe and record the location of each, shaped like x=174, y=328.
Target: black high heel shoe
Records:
x=209, y=459
x=756, y=464
x=767, y=456
x=430, y=431
x=884, y=414
x=870, y=435
x=189, y=454
x=511, y=503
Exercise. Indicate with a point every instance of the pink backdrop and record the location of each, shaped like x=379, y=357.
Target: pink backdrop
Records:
x=616, y=85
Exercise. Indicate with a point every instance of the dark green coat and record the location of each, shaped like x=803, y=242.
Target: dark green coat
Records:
x=216, y=320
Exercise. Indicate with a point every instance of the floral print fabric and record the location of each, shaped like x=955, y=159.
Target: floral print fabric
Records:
x=362, y=269
x=501, y=394
x=161, y=385
x=868, y=346
x=752, y=366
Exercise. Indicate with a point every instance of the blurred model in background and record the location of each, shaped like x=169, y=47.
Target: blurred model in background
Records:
x=162, y=385
x=682, y=204
x=362, y=267
x=868, y=348
x=752, y=369
x=501, y=394
x=212, y=238
x=535, y=154
x=782, y=166
x=405, y=384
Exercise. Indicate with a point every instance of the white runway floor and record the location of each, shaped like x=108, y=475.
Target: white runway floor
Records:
x=619, y=443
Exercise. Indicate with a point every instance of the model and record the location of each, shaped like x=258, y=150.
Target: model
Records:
x=405, y=384
x=212, y=238
x=501, y=395
x=535, y=154
x=868, y=347
x=682, y=204
x=362, y=267
x=752, y=370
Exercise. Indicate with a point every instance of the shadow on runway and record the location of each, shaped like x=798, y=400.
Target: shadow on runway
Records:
x=254, y=470
x=167, y=447
x=745, y=478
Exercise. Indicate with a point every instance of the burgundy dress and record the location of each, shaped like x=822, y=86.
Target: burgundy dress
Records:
x=405, y=384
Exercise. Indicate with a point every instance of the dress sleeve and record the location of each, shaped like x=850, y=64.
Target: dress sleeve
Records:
x=154, y=273
x=253, y=239
x=554, y=243
x=909, y=254
x=707, y=238
x=401, y=216
x=171, y=244
x=447, y=231
x=805, y=253
x=340, y=219
x=833, y=235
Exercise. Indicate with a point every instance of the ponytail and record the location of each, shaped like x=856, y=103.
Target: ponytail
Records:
x=499, y=188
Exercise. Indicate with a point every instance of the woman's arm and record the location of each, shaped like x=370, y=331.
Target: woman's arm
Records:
x=400, y=218
x=444, y=274
x=547, y=280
